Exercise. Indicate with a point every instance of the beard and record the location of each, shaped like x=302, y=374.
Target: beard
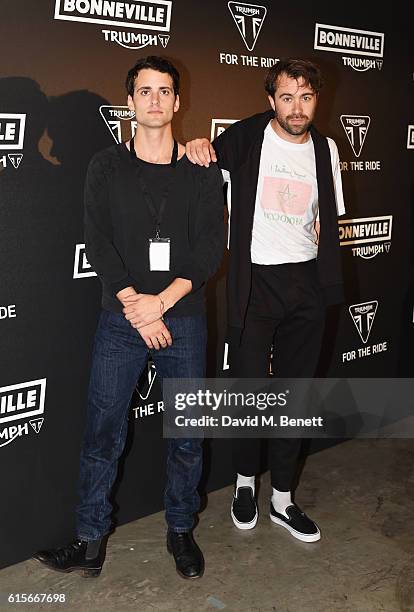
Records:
x=294, y=130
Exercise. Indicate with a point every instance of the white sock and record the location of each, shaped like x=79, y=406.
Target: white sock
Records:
x=281, y=500
x=245, y=481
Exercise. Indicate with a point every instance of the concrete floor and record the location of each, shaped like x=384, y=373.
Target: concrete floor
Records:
x=360, y=492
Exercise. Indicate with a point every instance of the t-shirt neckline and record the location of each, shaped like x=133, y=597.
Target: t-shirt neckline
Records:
x=286, y=143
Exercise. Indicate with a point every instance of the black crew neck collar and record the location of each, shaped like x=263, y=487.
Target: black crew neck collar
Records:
x=138, y=160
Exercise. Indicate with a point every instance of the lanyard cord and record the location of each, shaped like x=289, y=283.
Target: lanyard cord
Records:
x=157, y=216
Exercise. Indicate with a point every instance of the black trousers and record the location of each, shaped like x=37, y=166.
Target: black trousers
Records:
x=286, y=311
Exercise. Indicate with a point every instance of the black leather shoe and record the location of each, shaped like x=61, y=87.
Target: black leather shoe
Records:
x=189, y=560
x=88, y=557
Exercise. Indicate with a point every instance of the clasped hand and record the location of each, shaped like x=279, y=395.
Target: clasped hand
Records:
x=142, y=309
x=144, y=312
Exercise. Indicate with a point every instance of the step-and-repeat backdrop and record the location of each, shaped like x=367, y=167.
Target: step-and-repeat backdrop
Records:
x=62, y=98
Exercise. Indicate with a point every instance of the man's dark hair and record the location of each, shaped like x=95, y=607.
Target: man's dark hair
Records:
x=161, y=64
x=294, y=68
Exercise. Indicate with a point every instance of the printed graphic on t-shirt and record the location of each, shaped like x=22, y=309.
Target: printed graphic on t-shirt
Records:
x=286, y=196
x=286, y=207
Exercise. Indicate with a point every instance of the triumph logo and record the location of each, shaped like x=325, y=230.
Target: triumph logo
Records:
x=144, y=390
x=361, y=64
x=356, y=129
x=152, y=15
x=354, y=42
x=368, y=236
x=363, y=316
x=249, y=19
x=146, y=382
x=119, y=121
x=19, y=402
x=81, y=267
x=12, y=127
x=163, y=38
x=410, y=137
x=15, y=159
x=218, y=126
x=133, y=40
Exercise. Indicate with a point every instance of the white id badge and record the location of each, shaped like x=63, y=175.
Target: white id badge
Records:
x=159, y=254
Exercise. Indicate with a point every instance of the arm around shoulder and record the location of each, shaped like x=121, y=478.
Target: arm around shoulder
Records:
x=207, y=235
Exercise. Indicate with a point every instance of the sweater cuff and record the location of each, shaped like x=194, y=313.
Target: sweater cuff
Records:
x=197, y=277
x=121, y=284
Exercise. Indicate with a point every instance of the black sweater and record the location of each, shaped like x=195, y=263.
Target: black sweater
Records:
x=238, y=150
x=118, y=225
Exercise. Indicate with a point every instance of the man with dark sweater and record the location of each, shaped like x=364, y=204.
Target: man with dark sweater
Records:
x=154, y=235
x=284, y=264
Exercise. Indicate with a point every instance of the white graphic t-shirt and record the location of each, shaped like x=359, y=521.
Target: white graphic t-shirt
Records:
x=287, y=201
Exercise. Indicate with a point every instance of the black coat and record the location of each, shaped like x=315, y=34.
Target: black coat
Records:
x=238, y=150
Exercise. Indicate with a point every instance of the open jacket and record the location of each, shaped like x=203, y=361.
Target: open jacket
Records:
x=238, y=150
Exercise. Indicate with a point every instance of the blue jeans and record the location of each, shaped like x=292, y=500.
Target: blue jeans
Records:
x=119, y=357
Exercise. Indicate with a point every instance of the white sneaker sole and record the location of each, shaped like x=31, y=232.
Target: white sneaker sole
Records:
x=304, y=537
x=239, y=525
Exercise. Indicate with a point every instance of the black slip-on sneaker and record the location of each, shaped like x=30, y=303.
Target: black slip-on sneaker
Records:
x=244, y=508
x=299, y=525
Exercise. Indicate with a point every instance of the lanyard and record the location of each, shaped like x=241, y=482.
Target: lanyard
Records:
x=148, y=198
